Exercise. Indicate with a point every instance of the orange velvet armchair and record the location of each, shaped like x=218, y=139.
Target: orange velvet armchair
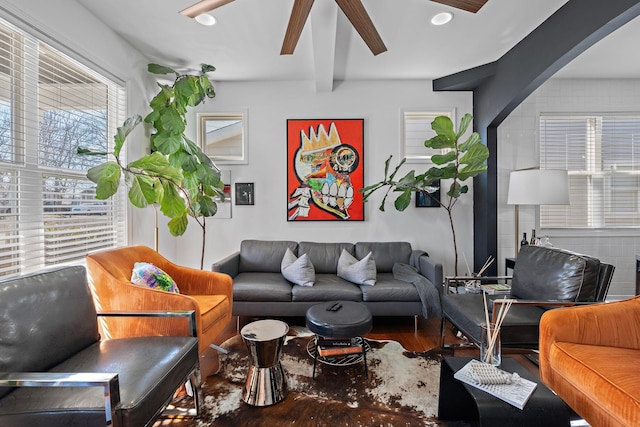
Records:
x=590, y=356
x=209, y=293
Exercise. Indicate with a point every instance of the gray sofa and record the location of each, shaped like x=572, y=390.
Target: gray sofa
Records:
x=408, y=281
x=55, y=370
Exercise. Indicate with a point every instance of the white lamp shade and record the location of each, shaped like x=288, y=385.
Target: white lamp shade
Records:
x=538, y=187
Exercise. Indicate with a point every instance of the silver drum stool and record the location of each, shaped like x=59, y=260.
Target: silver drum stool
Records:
x=266, y=383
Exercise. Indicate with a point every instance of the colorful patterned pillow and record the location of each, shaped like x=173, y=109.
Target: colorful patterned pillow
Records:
x=147, y=274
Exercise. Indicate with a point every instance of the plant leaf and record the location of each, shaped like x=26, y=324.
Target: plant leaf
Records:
x=123, y=132
x=464, y=125
x=443, y=126
x=172, y=121
x=172, y=205
x=160, y=69
x=206, y=68
x=440, y=141
x=403, y=200
x=156, y=164
x=167, y=143
x=107, y=179
x=142, y=193
x=178, y=225
x=441, y=159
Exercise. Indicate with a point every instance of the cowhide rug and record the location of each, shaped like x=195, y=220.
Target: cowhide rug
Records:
x=401, y=390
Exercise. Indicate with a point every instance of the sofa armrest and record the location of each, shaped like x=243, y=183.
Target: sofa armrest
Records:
x=191, y=314
x=229, y=265
x=108, y=381
x=431, y=270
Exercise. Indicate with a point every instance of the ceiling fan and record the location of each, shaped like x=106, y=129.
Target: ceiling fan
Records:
x=353, y=9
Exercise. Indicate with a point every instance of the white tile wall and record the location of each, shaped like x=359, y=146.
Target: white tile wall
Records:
x=518, y=148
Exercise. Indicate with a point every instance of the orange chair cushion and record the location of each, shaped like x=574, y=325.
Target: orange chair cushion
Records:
x=213, y=308
x=598, y=380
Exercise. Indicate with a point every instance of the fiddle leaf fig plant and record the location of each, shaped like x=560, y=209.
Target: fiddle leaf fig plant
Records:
x=460, y=161
x=177, y=175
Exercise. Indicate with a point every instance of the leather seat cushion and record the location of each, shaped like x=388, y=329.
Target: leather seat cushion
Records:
x=389, y=289
x=154, y=366
x=598, y=379
x=351, y=320
x=261, y=287
x=326, y=288
x=466, y=312
x=212, y=309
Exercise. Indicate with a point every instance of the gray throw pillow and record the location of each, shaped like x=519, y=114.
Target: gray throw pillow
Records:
x=298, y=270
x=362, y=272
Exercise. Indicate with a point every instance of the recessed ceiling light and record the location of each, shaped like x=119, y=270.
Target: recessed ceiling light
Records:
x=442, y=18
x=205, y=19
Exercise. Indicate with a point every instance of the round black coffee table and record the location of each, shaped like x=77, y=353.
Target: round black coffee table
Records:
x=339, y=321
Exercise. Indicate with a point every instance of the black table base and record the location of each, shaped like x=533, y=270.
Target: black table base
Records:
x=460, y=401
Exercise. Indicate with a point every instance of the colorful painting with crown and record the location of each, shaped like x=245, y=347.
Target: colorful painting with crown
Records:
x=325, y=170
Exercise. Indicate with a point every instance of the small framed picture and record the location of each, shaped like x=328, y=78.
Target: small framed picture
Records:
x=423, y=200
x=244, y=193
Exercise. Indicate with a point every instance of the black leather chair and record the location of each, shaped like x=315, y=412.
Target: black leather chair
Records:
x=56, y=371
x=543, y=278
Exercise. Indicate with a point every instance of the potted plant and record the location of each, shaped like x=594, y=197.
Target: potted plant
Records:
x=461, y=161
x=177, y=175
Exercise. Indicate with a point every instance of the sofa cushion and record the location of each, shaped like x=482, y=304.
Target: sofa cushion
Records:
x=597, y=376
x=263, y=255
x=328, y=287
x=324, y=256
x=360, y=272
x=385, y=253
x=543, y=273
x=261, y=287
x=389, y=289
x=299, y=271
x=147, y=274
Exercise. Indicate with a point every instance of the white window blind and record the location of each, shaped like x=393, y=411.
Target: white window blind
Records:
x=49, y=106
x=602, y=154
x=417, y=129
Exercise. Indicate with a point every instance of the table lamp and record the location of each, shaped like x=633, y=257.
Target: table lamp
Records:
x=537, y=187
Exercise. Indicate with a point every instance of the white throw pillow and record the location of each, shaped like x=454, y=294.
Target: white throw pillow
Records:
x=298, y=270
x=361, y=272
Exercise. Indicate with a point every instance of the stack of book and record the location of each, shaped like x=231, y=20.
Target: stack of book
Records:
x=333, y=347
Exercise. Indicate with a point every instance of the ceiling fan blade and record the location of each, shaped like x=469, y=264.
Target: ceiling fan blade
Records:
x=203, y=7
x=361, y=21
x=468, y=5
x=299, y=15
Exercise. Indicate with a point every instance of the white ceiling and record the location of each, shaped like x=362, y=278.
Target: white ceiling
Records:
x=245, y=43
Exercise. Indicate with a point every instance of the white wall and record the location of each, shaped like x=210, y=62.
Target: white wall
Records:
x=518, y=148
x=269, y=105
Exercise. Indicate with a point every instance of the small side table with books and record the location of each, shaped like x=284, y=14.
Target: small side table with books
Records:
x=461, y=401
x=339, y=327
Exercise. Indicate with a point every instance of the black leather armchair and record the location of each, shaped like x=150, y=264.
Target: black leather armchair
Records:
x=543, y=278
x=56, y=371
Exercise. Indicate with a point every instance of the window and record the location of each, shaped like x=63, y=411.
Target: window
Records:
x=602, y=155
x=49, y=106
x=417, y=129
